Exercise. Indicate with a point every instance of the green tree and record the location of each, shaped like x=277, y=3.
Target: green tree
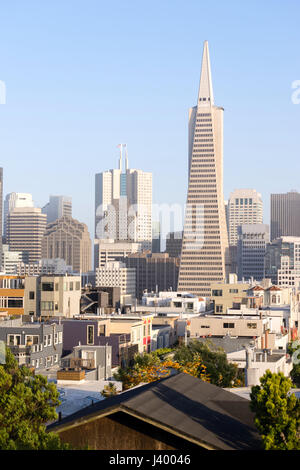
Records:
x=277, y=412
x=27, y=404
x=294, y=350
x=149, y=367
x=219, y=370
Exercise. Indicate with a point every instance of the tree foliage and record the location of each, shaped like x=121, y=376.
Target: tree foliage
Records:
x=27, y=403
x=277, y=412
x=219, y=370
x=294, y=351
x=149, y=367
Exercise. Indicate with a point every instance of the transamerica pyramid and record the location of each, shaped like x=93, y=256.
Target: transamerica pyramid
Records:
x=205, y=253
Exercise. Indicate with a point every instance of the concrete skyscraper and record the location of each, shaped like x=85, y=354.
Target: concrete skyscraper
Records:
x=245, y=206
x=57, y=207
x=285, y=215
x=25, y=230
x=205, y=253
x=68, y=239
x=123, y=205
x=251, y=250
x=13, y=200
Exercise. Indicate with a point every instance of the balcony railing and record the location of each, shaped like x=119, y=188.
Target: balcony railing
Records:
x=78, y=363
x=21, y=349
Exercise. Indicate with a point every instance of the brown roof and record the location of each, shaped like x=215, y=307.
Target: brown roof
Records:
x=183, y=405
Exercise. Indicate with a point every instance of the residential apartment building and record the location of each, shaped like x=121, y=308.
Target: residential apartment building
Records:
x=86, y=363
x=34, y=344
x=96, y=330
x=285, y=215
x=12, y=293
x=184, y=301
x=58, y=207
x=211, y=325
x=226, y=295
x=25, y=229
x=251, y=250
x=205, y=251
x=68, y=239
x=139, y=325
x=52, y=296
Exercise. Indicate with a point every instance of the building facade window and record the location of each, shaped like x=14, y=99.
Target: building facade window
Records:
x=90, y=334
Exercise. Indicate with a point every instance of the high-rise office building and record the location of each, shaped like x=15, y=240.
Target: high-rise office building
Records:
x=68, y=239
x=13, y=200
x=245, y=206
x=109, y=250
x=285, y=215
x=57, y=207
x=251, y=250
x=205, y=253
x=174, y=244
x=116, y=274
x=154, y=271
x=10, y=260
x=123, y=205
x=25, y=230
x=156, y=240
x=282, y=261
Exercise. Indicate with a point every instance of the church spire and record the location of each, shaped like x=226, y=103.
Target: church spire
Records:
x=205, y=95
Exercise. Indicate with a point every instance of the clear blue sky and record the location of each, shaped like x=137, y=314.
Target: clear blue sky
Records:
x=83, y=76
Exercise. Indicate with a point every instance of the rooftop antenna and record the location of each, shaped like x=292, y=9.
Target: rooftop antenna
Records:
x=120, y=146
x=126, y=161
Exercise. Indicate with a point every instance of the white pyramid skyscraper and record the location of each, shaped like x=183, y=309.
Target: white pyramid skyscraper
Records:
x=205, y=254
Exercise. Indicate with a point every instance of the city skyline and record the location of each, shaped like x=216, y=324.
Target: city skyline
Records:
x=258, y=128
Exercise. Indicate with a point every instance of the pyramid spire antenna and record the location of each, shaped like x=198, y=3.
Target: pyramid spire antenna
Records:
x=205, y=95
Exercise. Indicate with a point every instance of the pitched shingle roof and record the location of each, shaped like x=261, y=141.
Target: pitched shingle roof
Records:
x=197, y=410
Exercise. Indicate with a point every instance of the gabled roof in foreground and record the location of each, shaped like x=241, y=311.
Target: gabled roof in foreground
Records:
x=185, y=406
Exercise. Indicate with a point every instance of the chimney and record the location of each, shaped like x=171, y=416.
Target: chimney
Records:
x=266, y=339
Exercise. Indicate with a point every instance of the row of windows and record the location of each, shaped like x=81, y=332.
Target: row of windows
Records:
x=47, y=361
